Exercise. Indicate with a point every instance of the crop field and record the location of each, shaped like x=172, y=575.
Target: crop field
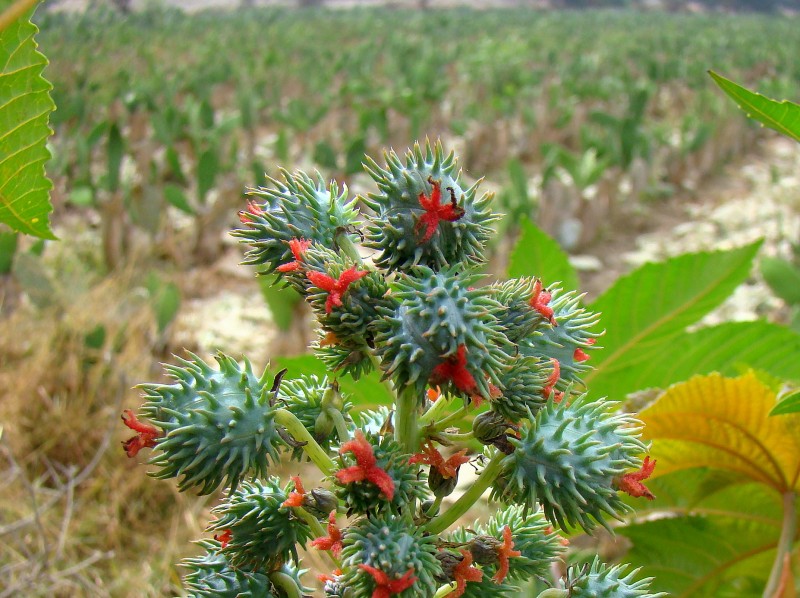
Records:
x=590, y=123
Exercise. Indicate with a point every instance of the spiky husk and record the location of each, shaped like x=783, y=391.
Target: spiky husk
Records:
x=567, y=459
x=394, y=231
x=601, y=581
x=482, y=588
x=304, y=398
x=218, y=424
x=522, y=387
x=394, y=545
x=352, y=322
x=518, y=318
x=264, y=534
x=539, y=547
x=373, y=421
x=299, y=207
x=212, y=576
x=574, y=331
x=365, y=497
x=437, y=314
x=343, y=357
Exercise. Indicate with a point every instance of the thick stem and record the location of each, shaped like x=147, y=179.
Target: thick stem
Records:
x=298, y=431
x=405, y=425
x=349, y=248
x=785, y=543
x=318, y=530
x=469, y=498
x=453, y=417
x=435, y=411
x=341, y=425
x=286, y=584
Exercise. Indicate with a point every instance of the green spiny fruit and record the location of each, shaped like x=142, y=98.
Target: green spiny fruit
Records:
x=449, y=559
x=443, y=332
x=424, y=215
x=600, y=581
x=522, y=386
x=343, y=357
x=518, y=318
x=212, y=576
x=393, y=546
x=567, y=341
x=567, y=459
x=263, y=533
x=218, y=424
x=313, y=401
x=373, y=421
x=298, y=207
x=366, y=497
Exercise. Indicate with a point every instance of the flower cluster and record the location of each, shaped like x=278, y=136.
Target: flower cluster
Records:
x=451, y=347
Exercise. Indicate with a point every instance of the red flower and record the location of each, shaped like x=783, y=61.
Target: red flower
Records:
x=430, y=456
x=539, y=301
x=366, y=468
x=296, y=496
x=505, y=552
x=631, y=483
x=385, y=587
x=464, y=572
x=333, y=541
x=454, y=369
x=434, y=393
x=224, y=538
x=334, y=287
x=298, y=248
x=253, y=209
x=146, y=434
x=329, y=577
x=435, y=211
x=580, y=354
x=552, y=380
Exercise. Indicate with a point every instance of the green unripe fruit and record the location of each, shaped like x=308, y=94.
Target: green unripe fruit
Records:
x=600, y=581
x=212, y=576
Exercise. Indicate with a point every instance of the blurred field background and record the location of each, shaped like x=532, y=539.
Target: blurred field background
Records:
x=598, y=124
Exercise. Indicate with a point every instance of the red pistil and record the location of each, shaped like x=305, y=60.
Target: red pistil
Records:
x=224, y=538
x=296, y=496
x=298, y=248
x=431, y=456
x=562, y=540
x=579, y=354
x=385, y=587
x=552, y=380
x=435, y=211
x=434, y=393
x=253, y=209
x=631, y=483
x=539, y=301
x=333, y=541
x=334, y=287
x=454, y=369
x=505, y=552
x=146, y=434
x=464, y=572
x=366, y=468
x=329, y=576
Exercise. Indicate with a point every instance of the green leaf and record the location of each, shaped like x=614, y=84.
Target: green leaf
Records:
x=656, y=303
x=788, y=404
x=728, y=348
x=325, y=155
x=165, y=300
x=280, y=300
x=783, y=116
x=176, y=197
x=368, y=392
x=537, y=254
x=95, y=338
x=207, y=169
x=783, y=278
x=25, y=106
x=8, y=247
x=81, y=196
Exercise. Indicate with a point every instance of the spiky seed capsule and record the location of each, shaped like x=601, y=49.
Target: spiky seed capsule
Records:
x=424, y=215
x=212, y=576
x=522, y=388
x=601, y=581
x=393, y=545
x=441, y=319
x=218, y=424
x=567, y=459
x=263, y=533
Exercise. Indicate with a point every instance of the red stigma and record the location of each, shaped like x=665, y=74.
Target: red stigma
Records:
x=435, y=211
x=631, y=483
x=335, y=287
x=385, y=587
x=505, y=552
x=296, y=497
x=539, y=301
x=146, y=434
x=366, y=468
x=253, y=209
x=453, y=369
x=224, y=538
x=430, y=456
x=333, y=541
x=464, y=572
x=298, y=248
x=552, y=380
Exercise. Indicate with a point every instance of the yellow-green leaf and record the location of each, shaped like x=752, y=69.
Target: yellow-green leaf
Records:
x=724, y=423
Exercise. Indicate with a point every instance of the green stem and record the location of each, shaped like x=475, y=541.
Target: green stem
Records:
x=453, y=417
x=318, y=530
x=345, y=243
x=286, y=584
x=445, y=590
x=298, y=431
x=434, y=508
x=785, y=543
x=469, y=498
x=405, y=425
x=459, y=437
x=435, y=411
x=341, y=425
